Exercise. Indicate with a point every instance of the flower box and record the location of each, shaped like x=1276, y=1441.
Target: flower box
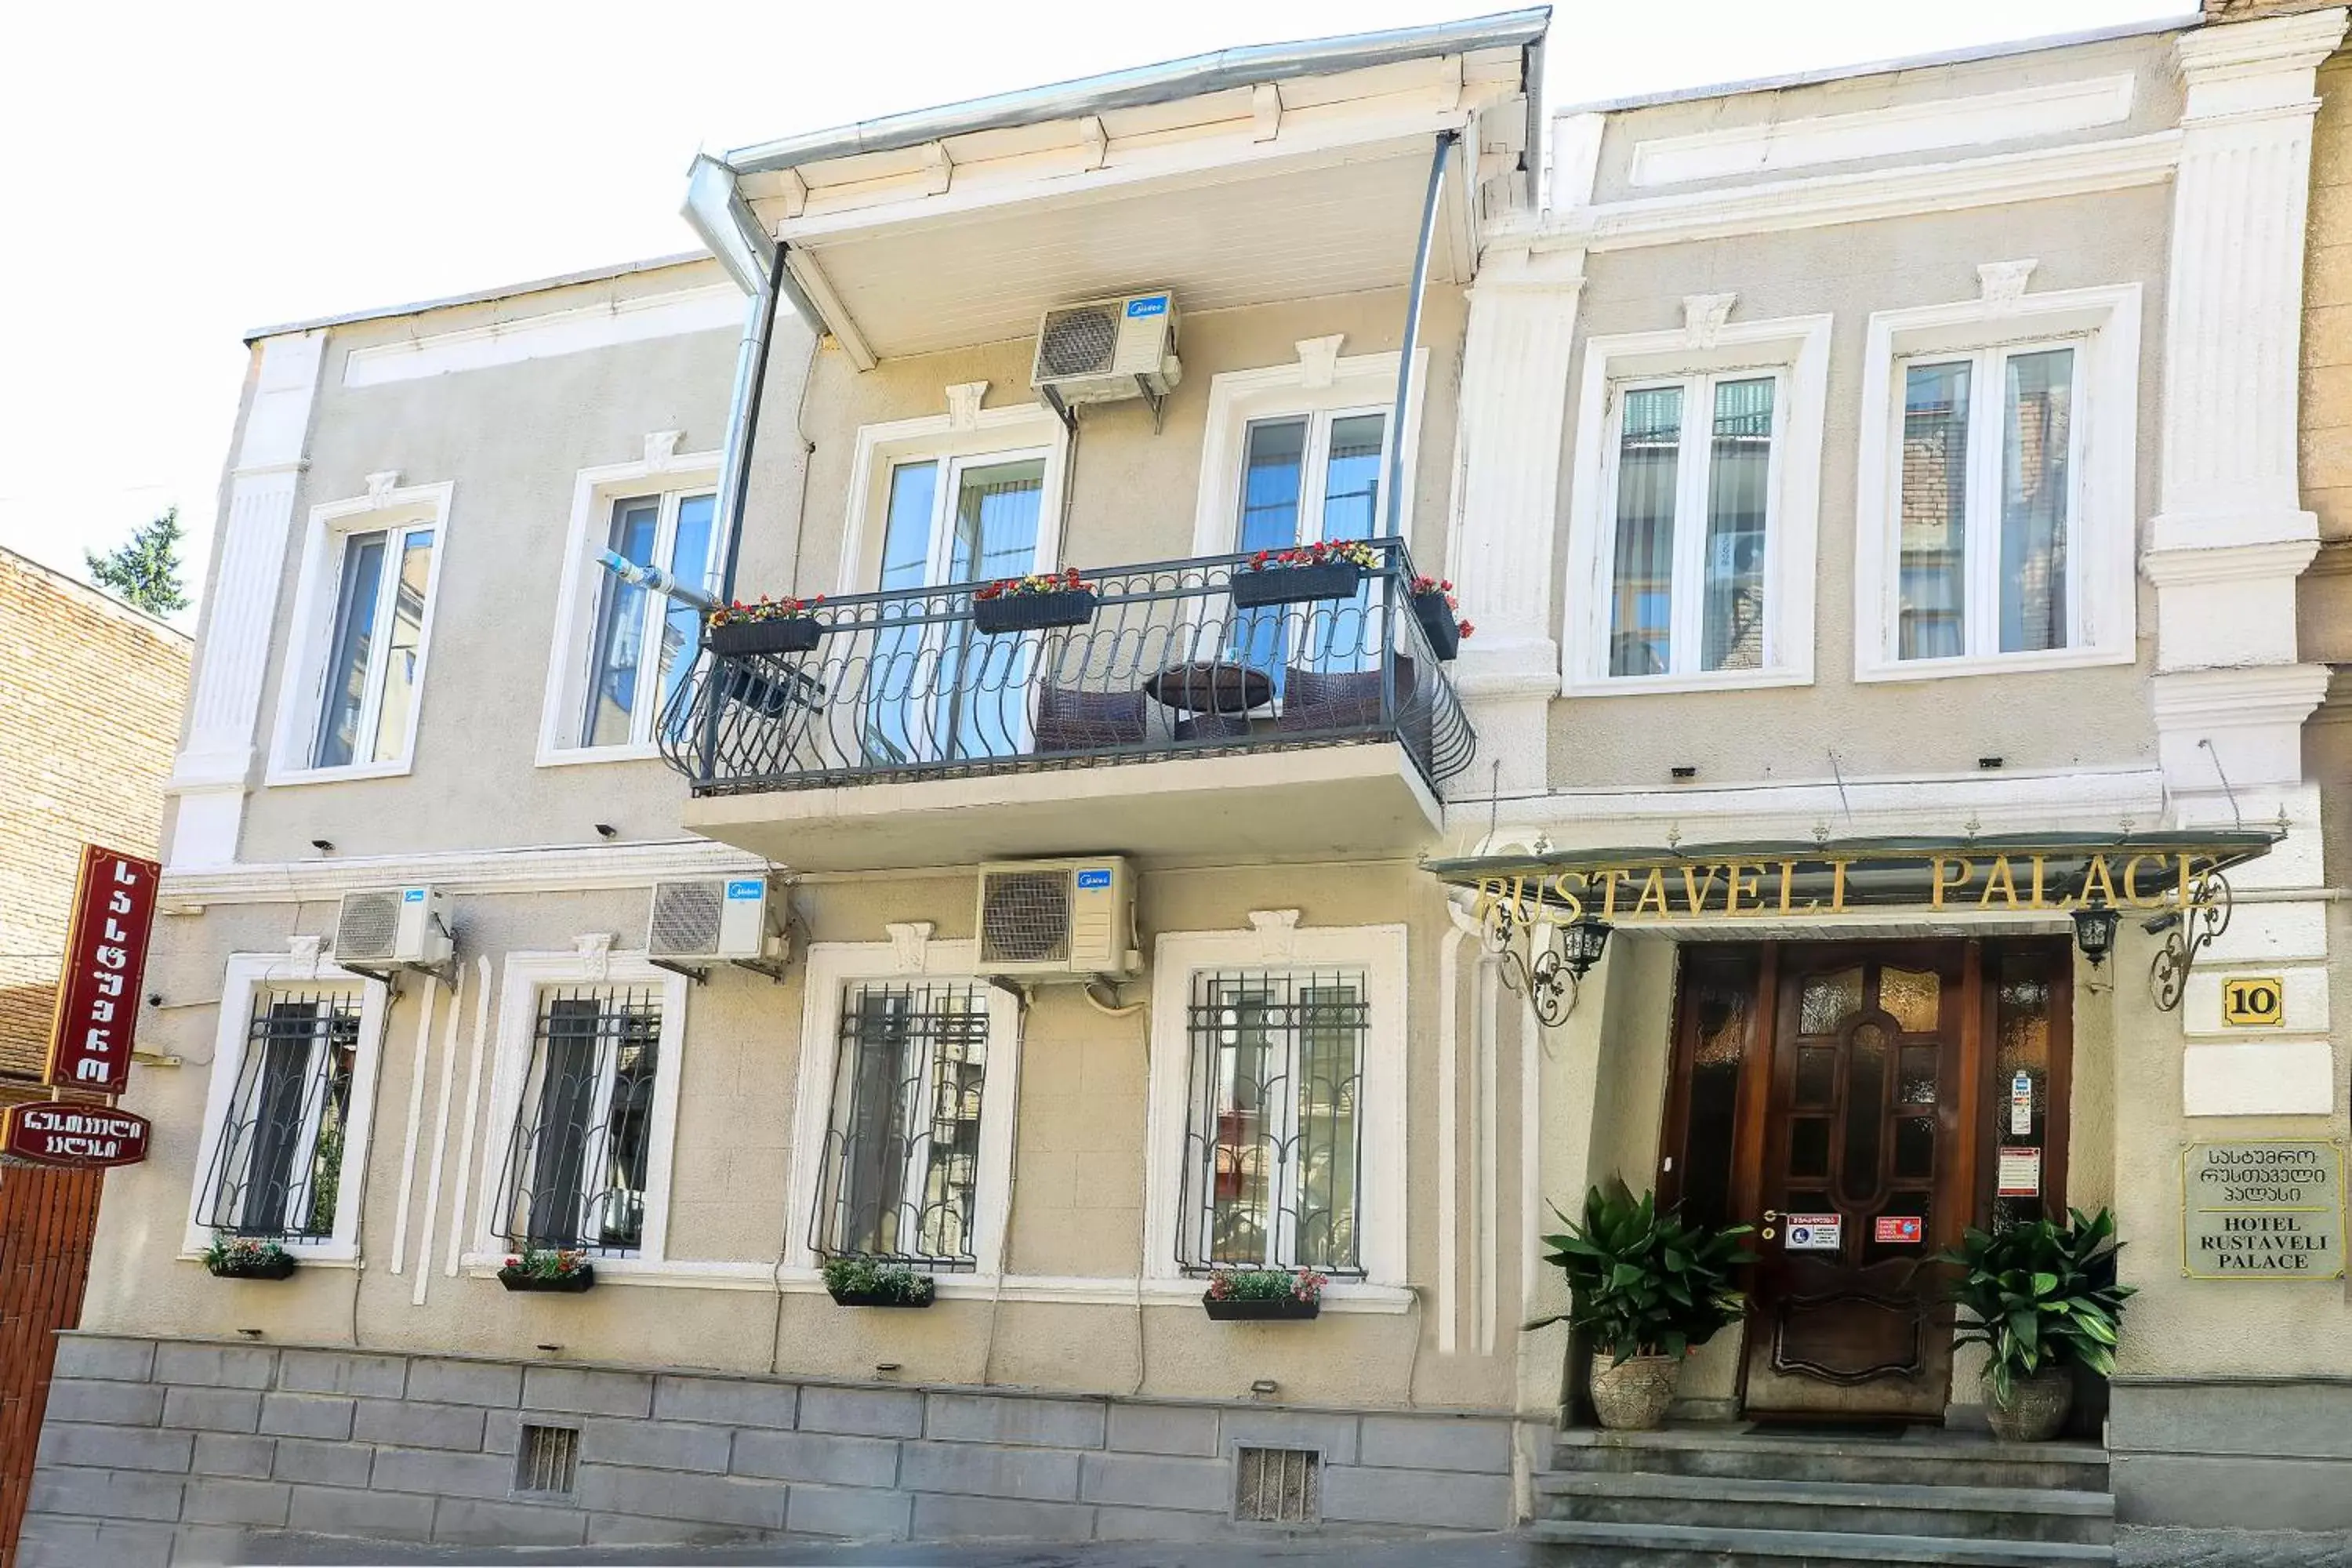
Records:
x=276, y=1268
x=1297, y=584
x=1033, y=612
x=1436, y=613
x=882, y=1297
x=1260, y=1310
x=781, y=634
x=570, y=1284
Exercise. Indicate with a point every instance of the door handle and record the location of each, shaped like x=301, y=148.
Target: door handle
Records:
x=1767, y=1233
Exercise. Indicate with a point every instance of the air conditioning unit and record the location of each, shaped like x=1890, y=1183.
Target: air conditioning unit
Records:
x=717, y=919
x=399, y=928
x=1074, y=920
x=1105, y=349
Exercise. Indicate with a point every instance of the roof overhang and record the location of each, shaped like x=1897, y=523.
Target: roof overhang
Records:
x=1236, y=178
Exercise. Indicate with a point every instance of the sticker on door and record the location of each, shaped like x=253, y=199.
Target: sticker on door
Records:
x=1897, y=1227
x=1816, y=1233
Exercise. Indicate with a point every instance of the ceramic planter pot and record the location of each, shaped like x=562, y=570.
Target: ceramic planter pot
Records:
x=2036, y=1407
x=788, y=634
x=581, y=1279
x=1632, y=1395
x=1033, y=612
x=1271, y=1309
x=1297, y=584
x=1437, y=624
x=880, y=1298
x=269, y=1268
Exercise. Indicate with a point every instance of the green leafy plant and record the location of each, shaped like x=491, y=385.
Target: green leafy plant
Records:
x=231, y=1254
x=763, y=608
x=866, y=1278
x=546, y=1263
x=2042, y=1294
x=1266, y=1285
x=1643, y=1280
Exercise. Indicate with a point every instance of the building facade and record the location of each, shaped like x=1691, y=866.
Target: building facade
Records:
x=1871, y=498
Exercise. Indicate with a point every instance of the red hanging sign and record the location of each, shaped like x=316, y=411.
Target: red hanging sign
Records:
x=80, y=1137
x=106, y=954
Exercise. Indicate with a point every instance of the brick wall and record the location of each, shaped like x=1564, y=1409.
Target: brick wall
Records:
x=91, y=693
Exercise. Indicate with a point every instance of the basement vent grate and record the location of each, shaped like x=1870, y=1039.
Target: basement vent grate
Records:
x=546, y=1459
x=1279, y=1486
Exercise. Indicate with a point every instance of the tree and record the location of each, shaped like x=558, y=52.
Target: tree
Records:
x=145, y=570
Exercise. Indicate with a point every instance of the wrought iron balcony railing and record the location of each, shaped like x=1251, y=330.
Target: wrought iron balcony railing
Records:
x=904, y=685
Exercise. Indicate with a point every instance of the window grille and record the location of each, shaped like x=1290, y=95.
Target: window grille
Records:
x=902, y=1168
x=546, y=1459
x=575, y=1173
x=1277, y=1486
x=1273, y=1140
x=277, y=1169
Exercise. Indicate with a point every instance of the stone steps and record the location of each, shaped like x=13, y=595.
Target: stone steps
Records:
x=2011, y=1513
x=1593, y=1545
x=1925, y=1460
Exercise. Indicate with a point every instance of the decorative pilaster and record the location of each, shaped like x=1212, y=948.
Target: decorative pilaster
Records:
x=208, y=779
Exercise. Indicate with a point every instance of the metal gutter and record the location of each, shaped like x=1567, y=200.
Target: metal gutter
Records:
x=1189, y=77
x=480, y=296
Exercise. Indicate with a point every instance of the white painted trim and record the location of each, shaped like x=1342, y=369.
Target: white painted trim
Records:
x=2104, y=326
x=1383, y=1125
x=524, y=974
x=441, y=1121
x=477, y=873
x=1236, y=398
x=245, y=973
x=1016, y=428
x=659, y=470
x=1796, y=348
x=832, y=967
x=415, y=1119
x=300, y=686
x=1930, y=125
x=605, y=324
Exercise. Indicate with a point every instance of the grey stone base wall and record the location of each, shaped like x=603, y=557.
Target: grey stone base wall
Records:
x=2255, y=1454
x=171, y=1452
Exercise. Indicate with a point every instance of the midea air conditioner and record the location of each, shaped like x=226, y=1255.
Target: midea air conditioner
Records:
x=1102, y=351
x=394, y=927
x=1074, y=920
x=717, y=919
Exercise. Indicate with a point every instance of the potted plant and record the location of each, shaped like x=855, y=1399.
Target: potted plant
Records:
x=247, y=1258
x=764, y=625
x=1327, y=569
x=1033, y=602
x=1645, y=1288
x=1263, y=1295
x=561, y=1269
x=864, y=1283
x=2044, y=1300
x=1434, y=606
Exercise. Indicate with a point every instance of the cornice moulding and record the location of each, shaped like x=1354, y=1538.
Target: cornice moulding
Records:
x=2176, y=568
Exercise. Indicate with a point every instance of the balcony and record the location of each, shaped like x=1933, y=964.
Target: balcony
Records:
x=1171, y=722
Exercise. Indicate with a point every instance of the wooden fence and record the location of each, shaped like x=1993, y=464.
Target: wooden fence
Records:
x=47, y=1218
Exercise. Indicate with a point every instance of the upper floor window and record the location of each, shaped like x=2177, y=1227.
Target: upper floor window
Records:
x=1314, y=475
x=1696, y=506
x=1993, y=507
x=643, y=643
x=1298, y=452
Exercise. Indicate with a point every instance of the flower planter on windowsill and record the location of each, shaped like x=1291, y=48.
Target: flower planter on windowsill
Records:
x=1260, y=1310
x=277, y=1267
x=881, y=1298
x=1438, y=625
x=1033, y=612
x=1297, y=584
x=785, y=633
x=581, y=1279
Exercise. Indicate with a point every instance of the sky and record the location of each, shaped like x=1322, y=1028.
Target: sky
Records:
x=180, y=174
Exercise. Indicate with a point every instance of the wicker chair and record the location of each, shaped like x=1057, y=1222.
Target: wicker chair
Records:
x=1314, y=699
x=1073, y=721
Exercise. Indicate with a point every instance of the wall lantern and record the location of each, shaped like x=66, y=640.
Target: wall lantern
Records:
x=1582, y=943
x=2094, y=932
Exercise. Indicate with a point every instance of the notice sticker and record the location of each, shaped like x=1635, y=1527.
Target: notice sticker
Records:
x=1816, y=1233
x=2018, y=1175
x=2021, y=1105
x=1896, y=1227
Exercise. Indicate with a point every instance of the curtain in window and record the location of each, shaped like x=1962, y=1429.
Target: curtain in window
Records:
x=902, y=1156
x=277, y=1168
x=983, y=699
x=402, y=646
x=578, y=1162
x=892, y=722
x=350, y=652
x=1932, y=595
x=2036, y=432
x=1738, y=488
x=1649, y=461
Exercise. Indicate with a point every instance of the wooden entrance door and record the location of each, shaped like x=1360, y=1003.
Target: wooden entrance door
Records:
x=1865, y=1173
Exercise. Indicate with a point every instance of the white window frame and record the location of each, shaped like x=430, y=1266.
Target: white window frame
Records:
x=594, y=492
x=1318, y=387
x=525, y=975
x=1795, y=352
x=2101, y=325
x=1381, y=953
x=955, y=443
x=301, y=691
x=833, y=968
x=246, y=975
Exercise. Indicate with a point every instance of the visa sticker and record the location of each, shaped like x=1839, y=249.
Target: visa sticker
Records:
x=1099, y=878
x=745, y=887
x=412, y=896
x=1157, y=305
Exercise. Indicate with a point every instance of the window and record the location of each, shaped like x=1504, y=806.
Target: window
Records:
x=1298, y=452
x=577, y=1166
x=1995, y=526
x=354, y=677
x=1273, y=1155
x=1692, y=513
x=643, y=643
x=901, y=1172
x=1694, y=507
x=277, y=1162
x=1985, y=518
x=1315, y=476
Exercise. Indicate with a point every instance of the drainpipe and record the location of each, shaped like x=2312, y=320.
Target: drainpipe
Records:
x=1395, y=529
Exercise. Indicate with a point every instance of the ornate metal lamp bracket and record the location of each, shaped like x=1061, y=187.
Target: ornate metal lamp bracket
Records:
x=1544, y=979
x=2185, y=936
